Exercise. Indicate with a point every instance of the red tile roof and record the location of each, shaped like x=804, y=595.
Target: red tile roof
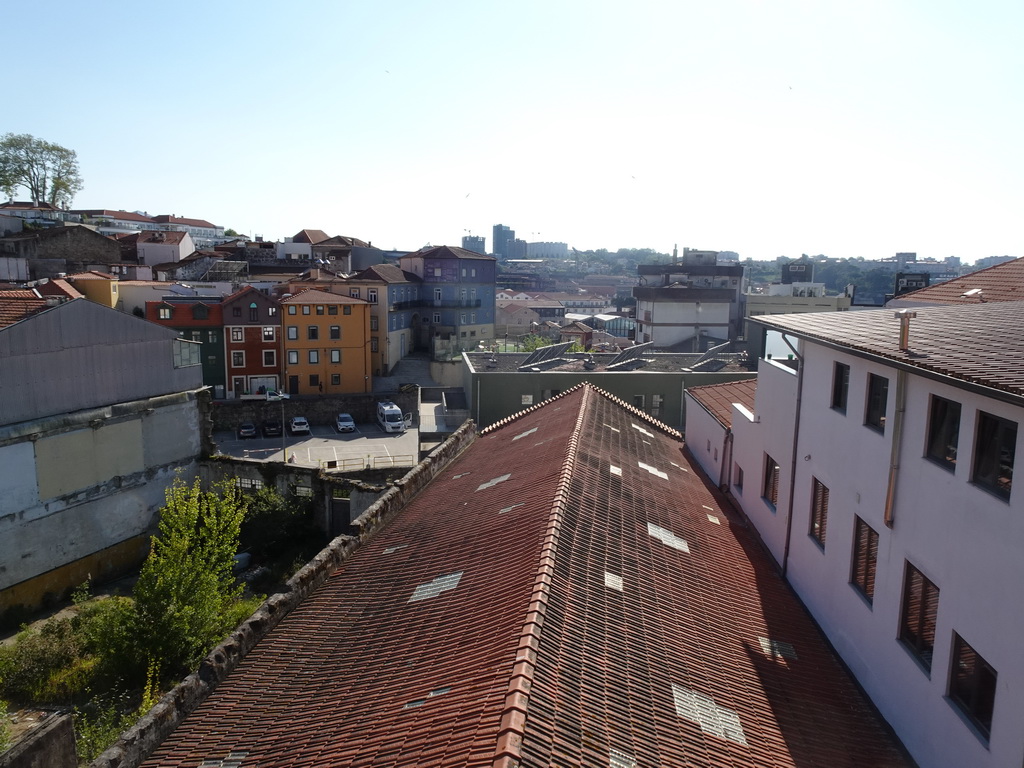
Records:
x=388, y=273
x=99, y=213
x=448, y=252
x=313, y=296
x=567, y=592
x=312, y=236
x=59, y=287
x=979, y=344
x=15, y=306
x=165, y=219
x=717, y=399
x=1003, y=282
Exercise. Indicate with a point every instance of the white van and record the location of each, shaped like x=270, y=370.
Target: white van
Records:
x=389, y=416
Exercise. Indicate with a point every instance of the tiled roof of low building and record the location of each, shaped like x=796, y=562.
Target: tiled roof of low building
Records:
x=1002, y=282
x=388, y=273
x=980, y=344
x=199, y=223
x=102, y=213
x=59, y=287
x=16, y=306
x=312, y=236
x=313, y=296
x=717, y=399
x=161, y=237
x=449, y=252
x=567, y=592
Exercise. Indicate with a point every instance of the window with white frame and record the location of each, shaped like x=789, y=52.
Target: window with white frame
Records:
x=237, y=334
x=269, y=358
x=238, y=359
x=269, y=333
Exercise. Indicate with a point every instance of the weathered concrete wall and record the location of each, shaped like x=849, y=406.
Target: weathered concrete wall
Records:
x=82, y=492
x=51, y=745
x=138, y=742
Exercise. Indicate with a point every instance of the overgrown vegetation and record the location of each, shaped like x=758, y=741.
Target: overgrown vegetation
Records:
x=5, y=728
x=110, y=659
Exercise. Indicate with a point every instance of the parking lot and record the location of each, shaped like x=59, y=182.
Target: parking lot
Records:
x=368, y=447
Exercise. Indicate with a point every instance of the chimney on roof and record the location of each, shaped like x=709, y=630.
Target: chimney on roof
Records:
x=904, y=316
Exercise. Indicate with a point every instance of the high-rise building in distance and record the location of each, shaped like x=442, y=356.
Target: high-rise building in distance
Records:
x=503, y=238
x=475, y=243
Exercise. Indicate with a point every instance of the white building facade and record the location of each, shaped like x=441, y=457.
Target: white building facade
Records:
x=878, y=471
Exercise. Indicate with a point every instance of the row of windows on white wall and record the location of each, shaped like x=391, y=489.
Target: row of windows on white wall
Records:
x=995, y=438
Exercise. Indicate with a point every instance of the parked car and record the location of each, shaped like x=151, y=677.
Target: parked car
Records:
x=298, y=424
x=345, y=423
x=247, y=429
x=271, y=428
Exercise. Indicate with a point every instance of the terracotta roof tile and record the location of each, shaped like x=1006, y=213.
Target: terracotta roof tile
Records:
x=1002, y=282
x=201, y=223
x=312, y=236
x=313, y=296
x=978, y=344
x=717, y=399
x=14, y=308
x=555, y=596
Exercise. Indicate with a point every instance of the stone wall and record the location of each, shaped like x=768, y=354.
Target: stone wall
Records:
x=138, y=742
x=51, y=745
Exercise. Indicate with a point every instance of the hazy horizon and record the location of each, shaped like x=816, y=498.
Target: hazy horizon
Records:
x=769, y=129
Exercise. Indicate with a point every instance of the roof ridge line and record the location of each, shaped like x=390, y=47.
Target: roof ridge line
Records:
x=657, y=424
x=512, y=725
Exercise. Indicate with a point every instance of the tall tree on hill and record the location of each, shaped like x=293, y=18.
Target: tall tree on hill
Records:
x=48, y=171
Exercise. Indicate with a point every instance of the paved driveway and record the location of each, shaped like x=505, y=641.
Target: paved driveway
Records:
x=368, y=447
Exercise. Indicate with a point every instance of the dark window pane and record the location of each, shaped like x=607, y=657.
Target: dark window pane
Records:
x=878, y=395
x=840, y=386
x=917, y=619
x=865, y=558
x=972, y=684
x=943, y=431
x=994, y=449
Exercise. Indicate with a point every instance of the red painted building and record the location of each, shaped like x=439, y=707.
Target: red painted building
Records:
x=252, y=342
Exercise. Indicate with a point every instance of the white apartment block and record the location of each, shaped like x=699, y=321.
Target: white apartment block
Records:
x=878, y=468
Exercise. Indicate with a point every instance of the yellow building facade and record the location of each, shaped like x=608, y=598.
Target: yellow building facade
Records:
x=326, y=344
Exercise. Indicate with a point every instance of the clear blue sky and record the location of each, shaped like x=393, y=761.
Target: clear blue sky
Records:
x=769, y=128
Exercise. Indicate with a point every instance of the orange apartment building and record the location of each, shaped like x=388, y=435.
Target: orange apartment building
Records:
x=326, y=343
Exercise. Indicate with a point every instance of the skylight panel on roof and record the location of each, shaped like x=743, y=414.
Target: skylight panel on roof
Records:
x=713, y=519
x=461, y=474
x=493, y=482
x=612, y=581
x=618, y=759
x=524, y=434
x=615, y=470
x=638, y=428
x=777, y=648
x=667, y=538
x=653, y=470
x=712, y=718
x=613, y=429
x=395, y=548
x=509, y=509
x=436, y=587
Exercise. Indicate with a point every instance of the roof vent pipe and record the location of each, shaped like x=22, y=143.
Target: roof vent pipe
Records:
x=904, y=316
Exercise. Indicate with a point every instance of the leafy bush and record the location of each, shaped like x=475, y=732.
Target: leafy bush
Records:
x=99, y=723
x=44, y=666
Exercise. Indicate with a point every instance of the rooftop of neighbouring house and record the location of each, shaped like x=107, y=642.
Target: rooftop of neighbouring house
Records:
x=581, y=362
x=717, y=399
x=980, y=344
x=1002, y=282
x=17, y=305
x=567, y=591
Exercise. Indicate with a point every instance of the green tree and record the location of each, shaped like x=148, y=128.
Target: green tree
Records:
x=48, y=171
x=186, y=591
x=532, y=341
